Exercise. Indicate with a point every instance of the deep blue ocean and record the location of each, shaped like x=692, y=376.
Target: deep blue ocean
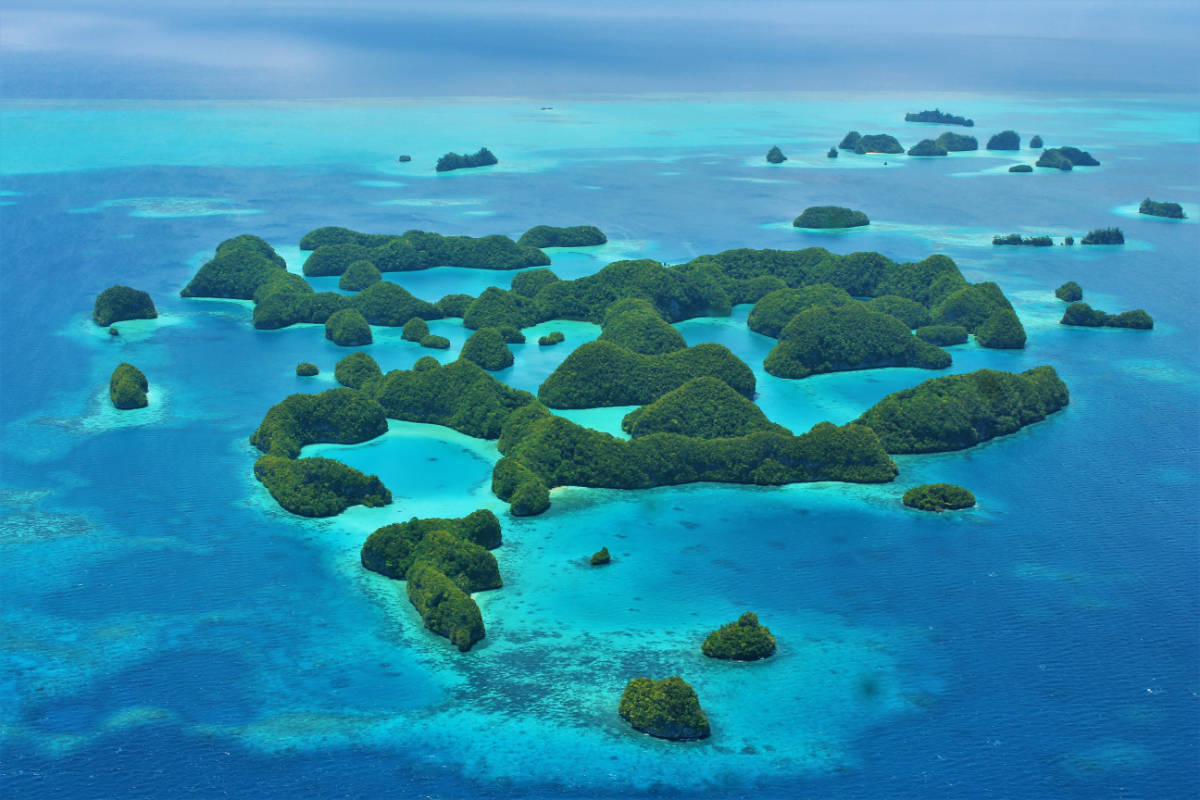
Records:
x=168, y=631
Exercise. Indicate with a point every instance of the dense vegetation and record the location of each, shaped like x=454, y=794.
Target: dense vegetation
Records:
x=635, y=325
x=530, y=282
x=444, y=607
x=392, y=549
x=677, y=293
x=496, y=307
x=1005, y=140
x=830, y=217
x=775, y=156
x=774, y=311
x=1083, y=315
x=940, y=117
x=487, y=348
x=358, y=276
x=928, y=147
x=957, y=142
x=938, y=497
x=1001, y=330
x=455, y=305
x=414, y=330
x=910, y=312
x=941, y=335
x=435, y=342
x=704, y=408
x=307, y=369
x=878, y=143
x=338, y=416
x=348, y=328
x=1104, y=236
x=240, y=267
x=744, y=639
x=959, y=411
x=1025, y=241
x=833, y=153
x=337, y=248
x=850, y=141
x=1070, y=292
x=832, y=339
x=1020, y=168
x=668, y=709
x=1065, y=158
x=127, y=387
x=355, y=370
x=119, y=303
x=970, y=306
x=1053, y=159
x=452, y=161
x=318, y=487
x=575, y=236
x=600, y=557
x=1154, y=208
x=550, y=339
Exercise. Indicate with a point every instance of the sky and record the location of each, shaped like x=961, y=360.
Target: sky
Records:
x=254, y=49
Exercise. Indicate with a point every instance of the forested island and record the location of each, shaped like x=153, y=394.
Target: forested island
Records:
x=119, y=303
x=1066, y=158
x=1005, y=140
x=928, y=147
x=830, y=217
x=939, y=117
x=668, y=709
x=957, y=142
x=1104, y=236
x=453, y=161
x=1070, y=292
x=550, y=236
x=1083, y=315
x=938, y=497
x=127, y=387
x=1025, y=241
x=775, y=156
x=744, y=639
x=1154, y=208
x=1020, y=168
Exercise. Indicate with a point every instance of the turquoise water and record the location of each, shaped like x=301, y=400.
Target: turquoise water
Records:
x=168, y=629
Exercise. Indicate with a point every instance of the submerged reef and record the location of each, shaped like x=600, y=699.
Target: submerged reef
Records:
x=1083, y=315
x=452, y=161
x=938, y=497
x=830, y=217
x=940, y=117
x=960, y=411
x=667, y=709
x=119, y=303
x=549, y=236
x=745, y=639
x=127, y=387
x=1155, y=208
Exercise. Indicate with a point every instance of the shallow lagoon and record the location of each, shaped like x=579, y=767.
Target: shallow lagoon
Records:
x=169, y=628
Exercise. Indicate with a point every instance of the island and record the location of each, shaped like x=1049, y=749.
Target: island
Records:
x=1104, y=236
x=1001, y=330
x=551, y=339
x=453, y=161
x=939, y=117
x=404, y=159
x=970, y=306
x=745, y=639
x=938, y=497
x=667, y=709
x=414, y=330
x=119, y=303
x=910, y=312
x=348, y=328
x=496, y=308
x=241, y=266
x=833, y=153
x=306, y=369
x=878, y=143
x=775, y=156
x=335, y=249
x=942, y=335
x=1026, y=241
x=434, y=342
x=636, y=325
x=600, y=557
x=455, y=305
x=819, y=217
x=358, y=276
x=1066, y=158
x=1005, y=140
x=1036, y=142
x=1020, y=168
x=960, y=411
x=1070, y=292
x=487, y=348
x=549, y=236
x=1083, y=315
x=775, y=310
x=127, y=387
x=444, y=607
x=849, y=141
x=1155, y=208
x=705, y=408
x=927, y=147
x=957, y=142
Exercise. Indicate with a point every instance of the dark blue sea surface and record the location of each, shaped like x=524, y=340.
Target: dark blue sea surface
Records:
x=169, y=631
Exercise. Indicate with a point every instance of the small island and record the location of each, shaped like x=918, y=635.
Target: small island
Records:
x=1036, y=142
x=938, y=497
x=1066, y=158
x=821, y=217
x=306, y=369
x=550, y=236
x=600, y=557
x=119, y=303
x=453, y=161
x=878, y=143
x=1083, y=315
x=1104, y=236
x=1024, y=241
x=358, y=276
x=667, y=709
x=833, y=153
x=957, y=142
x=1069, y=292
x=928, y=147
x=1154, y=208
x=487, y=348
x=743, y=640
x=348, y=328
x=127, y=387
x=775, y=156
x=551, y=339
x=404, y=159
x=1001, y=330
x=939, y=117
x=414, y=330
x=1005, y=140
x=1020, y=168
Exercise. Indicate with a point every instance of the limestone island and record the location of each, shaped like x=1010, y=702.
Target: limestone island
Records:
x=359, y=275
x=119, y=303
x=348, y=328
x=487, y=348
x=127, y=387
x=939, y=117
x=551, y=339
x=1036, y=142
x=1066, y=158
x=775, y=156
x=549, y=236
x=667, y=709
x=1069, y=292
x=833, y=153
x=306, y=369
x=942, y=335
x=820, y=217
x=1020, y=168
x=1083, y=315
x=1104, y=236
x=957, y=142
x=453, y=161
x=938, y=497
x=1002, y=330
x=1026, y=241
x=849, y=141
x=705, y=408
x=404, y=159
x=1157, y=209
x=878, y=143
x=742, y=640
x=1005, y=140
x=928, y=147
x=600, y=557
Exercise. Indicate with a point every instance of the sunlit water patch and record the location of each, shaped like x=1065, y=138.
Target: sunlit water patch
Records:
x=172, y=207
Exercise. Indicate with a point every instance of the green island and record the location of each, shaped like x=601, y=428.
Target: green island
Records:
x=928, y=147
x=1083, y=315
x=704, y=408
x=452, y=161
x=775, y=156
x=455, y=305
x=1155, y=208
x=959, y=411
x=877, y=143
x=358, y=276
x=487, y=348
x=307, y=369
x=119, y=303
x=956, y=142
x=435, y=342
x=127, y=387
x=942, y=335
x=348, y=328
x=849, y=141
x=1005, y=140
x=1036, y=142
x=1002, y=330
x=635, y=325
x=1069, y=292
x=830, y=217
x=938, y=497
x=1020, y=168
x=551, y=339
x=667, y=709
x=833, y=153
x=600, y=557
x=1024, y=241
x=939, y=117
x=1104, y=236
x=335, y=249
x=549, y=236
x=775, y=310
x=744, y=639
x=414, y=330
x=1066, y=158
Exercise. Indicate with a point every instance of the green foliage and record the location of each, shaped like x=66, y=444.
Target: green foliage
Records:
x=850, y=141
x=959, y=411
x=318, y=487
x=1026, y=241
x=335, y=259
x=529, y=498
x=118, y=303
x=387, y=303
x=427, y=362
x=775, y=156
x=348, y=328
x=1069, y=292
x=970, y=306
x=833, y=153
x=496, y=307
x=928, y=147
x=878, y=143
x=1005, y=140
x=576, y=236
x=742, y=640
x=358, y=276
x=773, y=312
x=336, y=235
x=927, y=281
x=938, y=497
x=241, y=265
x=1020, y=168
x=1036, y=142
x=910, y=312
x=435, y=342
x=487, y=348
x=600, y=557
x=414, y=330
x=1054, y=159
x=416, y=250
x=605, y=374
x=635, y=325
x=550, y=339
x=940, y=117
x=511, y=334
x=454, y=305
x=1137, y=319
x=956, y=142
x=1082, y=314
x=830, y=217
x=452, y=161
x=832, y=339
x=1002, y=330
x=444, y=607
x=942, y=335
x=530, y=282
x=1104, y=236
x=516, y=484
x=705, y=408
x=1154, y=208
x=306, y=369
x=667, y=709
x=392, y=549
x=339, y=416
x=679, y=293
x=286, y=306
x=127, y=387
x=1080, y=158
x=470, y=566
x=355, y=370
